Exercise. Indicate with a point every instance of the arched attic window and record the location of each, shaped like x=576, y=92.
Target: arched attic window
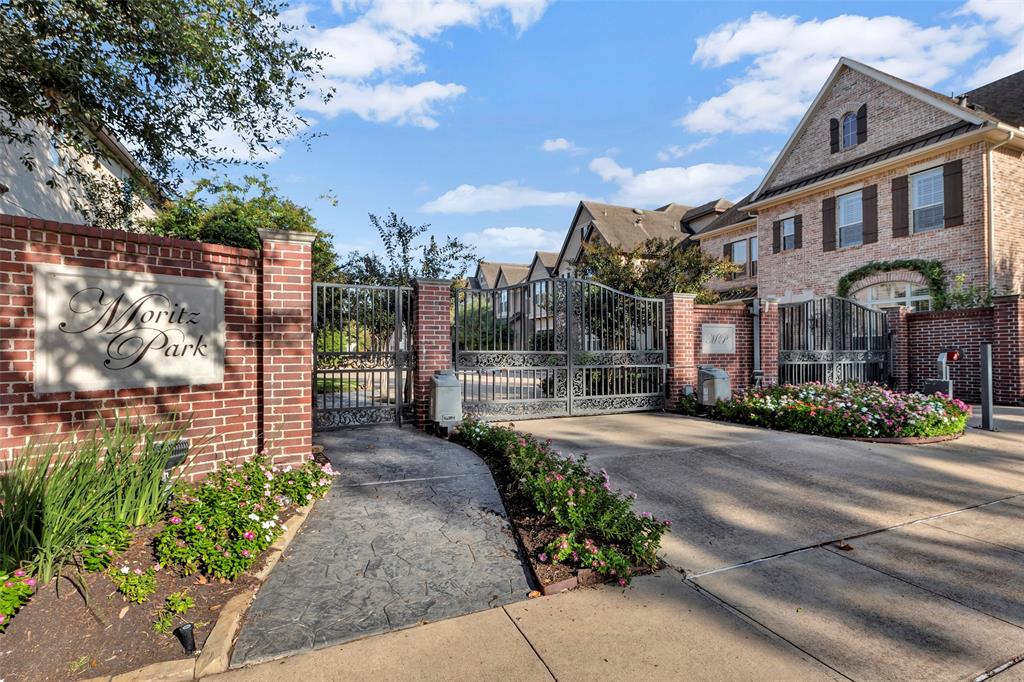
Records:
x=849, y=130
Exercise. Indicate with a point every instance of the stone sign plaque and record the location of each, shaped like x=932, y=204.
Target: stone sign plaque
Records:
x=718, y=338
x=108, y=329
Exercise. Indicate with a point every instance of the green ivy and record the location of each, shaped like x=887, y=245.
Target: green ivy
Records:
x=932, y=270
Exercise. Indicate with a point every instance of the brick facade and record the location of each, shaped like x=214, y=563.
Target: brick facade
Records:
x=433, y=339
x=263, y=363
x=892, y=117
x=1008, y=205
x=715, y=245
x=809, y=271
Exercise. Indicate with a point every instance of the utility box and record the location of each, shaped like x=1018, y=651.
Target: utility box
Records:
x=713, y=383
x=445, y=398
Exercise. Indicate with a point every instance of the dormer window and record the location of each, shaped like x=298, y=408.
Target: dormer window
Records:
x=849, y=131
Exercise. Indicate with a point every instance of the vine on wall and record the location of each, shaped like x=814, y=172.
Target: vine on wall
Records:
x=932, y=271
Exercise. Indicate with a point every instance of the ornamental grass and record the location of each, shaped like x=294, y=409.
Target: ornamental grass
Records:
x=851, y=410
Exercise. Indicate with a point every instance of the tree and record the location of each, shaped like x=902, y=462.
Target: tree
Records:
x=655, y=267
x=404, y=259
x=235, y=215
x=167, y=78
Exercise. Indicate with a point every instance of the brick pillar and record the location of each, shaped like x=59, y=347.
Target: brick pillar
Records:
x=770, y=341
x=680, y=339
x=1008, y=349
x=287, y=345
x=898, y=319
x=432, y=339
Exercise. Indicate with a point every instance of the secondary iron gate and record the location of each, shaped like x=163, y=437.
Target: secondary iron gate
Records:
x=557, y=347
x=362, y=340
x=832, y=340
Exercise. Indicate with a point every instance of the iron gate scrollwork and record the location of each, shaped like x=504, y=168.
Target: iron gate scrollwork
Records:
x=557, y=347
x=832, y=340
x=362, y=343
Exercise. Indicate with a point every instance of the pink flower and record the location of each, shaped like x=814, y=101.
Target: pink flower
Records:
x=175, y=520
x=31, y=582
x=248, y=535
x=200, y=526
x=245, y=553
x=19, y=573
x=542, y=557
x=622, y=582
x=227, y=553
x=2, y=618
x=138, y=571
x=8, y=583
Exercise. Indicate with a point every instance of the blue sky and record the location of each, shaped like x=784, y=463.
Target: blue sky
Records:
x=490, y=119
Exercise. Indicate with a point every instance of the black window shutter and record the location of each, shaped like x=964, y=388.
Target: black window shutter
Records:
x=833, y=134
x=953, y=192
x=862, y=124
x=727, y=251
x=776, y=236
x=900, y=206
x=798, y=231
x=869, y=208
x=828, y=224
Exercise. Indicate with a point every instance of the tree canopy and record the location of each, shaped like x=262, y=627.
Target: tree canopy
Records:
x=655, y=268
x=171, y=79
x=406, y=257
x=229, y=213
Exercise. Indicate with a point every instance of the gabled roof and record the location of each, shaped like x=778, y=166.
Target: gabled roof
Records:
x=626, y=227
x=716, y=206
x=545, y=260
x=513, y=273
x=1003, y=99
x=946, y=104
x=735, y=214
x=490, y=271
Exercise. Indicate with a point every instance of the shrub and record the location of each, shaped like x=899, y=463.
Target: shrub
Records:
x=601, y=530
x=107, y=539
x=15, y=590
x=53, y=493
x=222, y=525
x=846, y=410
x=688, y=405
x=135, y=585
x=176, y=604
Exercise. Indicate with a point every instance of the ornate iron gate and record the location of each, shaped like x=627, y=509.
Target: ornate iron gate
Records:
x=362, y=341
x=832, y=340
x=557, y=347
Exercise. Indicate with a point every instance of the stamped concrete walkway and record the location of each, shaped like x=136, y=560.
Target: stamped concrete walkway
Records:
x=413, y=531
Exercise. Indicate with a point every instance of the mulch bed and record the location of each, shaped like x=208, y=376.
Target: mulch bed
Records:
x=59, y=638
x=535, y=531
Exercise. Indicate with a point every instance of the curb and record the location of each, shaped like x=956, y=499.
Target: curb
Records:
x=215, y=656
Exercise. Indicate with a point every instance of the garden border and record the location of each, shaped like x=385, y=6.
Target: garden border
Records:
x=215, y=656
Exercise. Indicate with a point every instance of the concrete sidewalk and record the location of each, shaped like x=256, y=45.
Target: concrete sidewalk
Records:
x=659, y=629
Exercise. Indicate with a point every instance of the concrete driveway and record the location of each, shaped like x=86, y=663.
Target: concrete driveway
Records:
x=928, y=583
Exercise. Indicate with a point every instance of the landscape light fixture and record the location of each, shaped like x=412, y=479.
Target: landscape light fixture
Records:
x=187, y=636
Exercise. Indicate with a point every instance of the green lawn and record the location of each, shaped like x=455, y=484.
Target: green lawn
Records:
x=336, y=384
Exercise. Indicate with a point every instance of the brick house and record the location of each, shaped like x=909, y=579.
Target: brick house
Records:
x=881, y=170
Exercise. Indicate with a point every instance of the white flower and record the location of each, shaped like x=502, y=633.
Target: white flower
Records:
x=254, y=517
x=125, y=570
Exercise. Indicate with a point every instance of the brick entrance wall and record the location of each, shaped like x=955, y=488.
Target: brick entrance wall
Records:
x=264, y=401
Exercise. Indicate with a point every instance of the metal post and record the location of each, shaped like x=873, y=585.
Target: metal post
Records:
x=755, y=311
x=987, y=422
x=396, y=347
x=569, y=343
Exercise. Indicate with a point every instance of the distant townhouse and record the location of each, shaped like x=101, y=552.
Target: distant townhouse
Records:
x=879, y=172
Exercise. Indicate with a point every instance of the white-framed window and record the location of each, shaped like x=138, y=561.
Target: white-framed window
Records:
x=753, y=256
x=738, y=255
x=891, y=294
x=850, y=219
x=927, y=204
x=788, y=234
x=849, y=130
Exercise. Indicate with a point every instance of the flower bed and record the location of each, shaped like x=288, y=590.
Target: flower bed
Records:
x=124, y=581
x=845, y=411
x=568, y=518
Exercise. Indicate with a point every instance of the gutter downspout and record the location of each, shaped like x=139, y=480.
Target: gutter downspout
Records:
x=992, y=212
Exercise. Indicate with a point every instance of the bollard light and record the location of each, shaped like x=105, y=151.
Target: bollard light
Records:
x=187, y=636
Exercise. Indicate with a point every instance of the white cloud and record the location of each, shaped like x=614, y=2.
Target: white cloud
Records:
x=790, y=60
x=674, y=151
x=390, y=102
x=515, y=244
x=377, y=42
x=680, y=184
x=560, y=144
x=1004, y=18
x=501, y=197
